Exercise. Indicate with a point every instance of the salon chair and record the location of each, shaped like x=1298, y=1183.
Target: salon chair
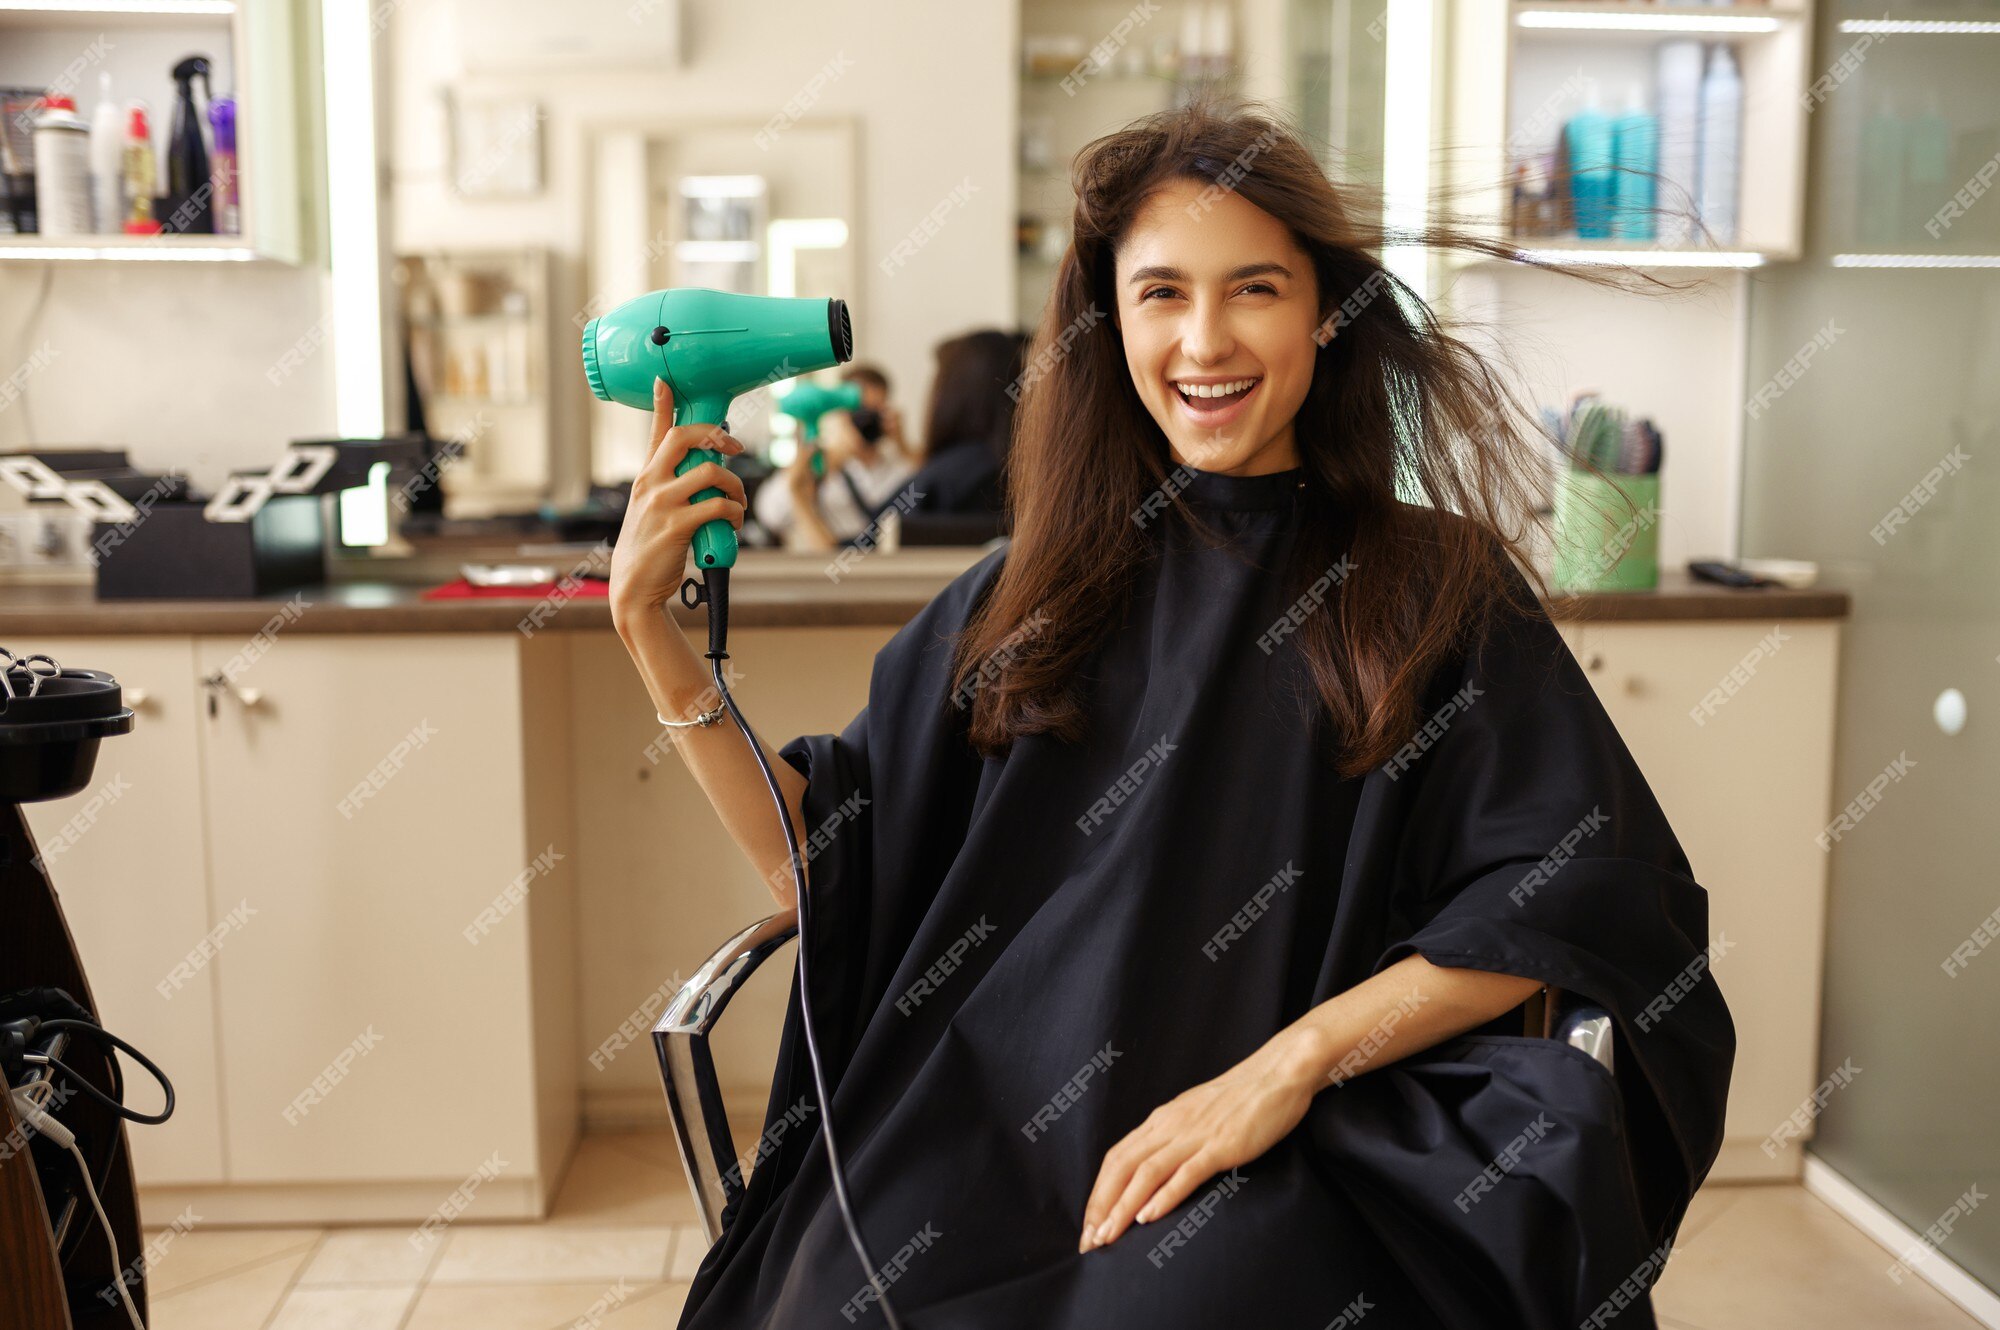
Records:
x=694, y=1098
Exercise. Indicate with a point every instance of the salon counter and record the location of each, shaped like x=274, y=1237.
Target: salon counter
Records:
x=392, y=887
x=768, y=591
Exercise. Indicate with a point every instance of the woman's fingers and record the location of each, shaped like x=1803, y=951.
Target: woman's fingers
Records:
x=703, y=475
x=671, y=443
x=1195, y=1170
x=1120, y=1163
x=663, y=415
x=1145, y=1182
x=684, y=439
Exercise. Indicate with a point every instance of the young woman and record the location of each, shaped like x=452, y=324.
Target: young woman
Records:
x=1178, y=889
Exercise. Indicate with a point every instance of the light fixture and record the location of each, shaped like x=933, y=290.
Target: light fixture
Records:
x=1406, y=138
x=353, y=219
x=1916, y=260
x=722, y=186
x=787, y=236
x=1602, y=21
x=1903, y=26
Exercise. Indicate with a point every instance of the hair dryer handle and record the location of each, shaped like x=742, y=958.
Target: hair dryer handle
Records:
x=715, y=542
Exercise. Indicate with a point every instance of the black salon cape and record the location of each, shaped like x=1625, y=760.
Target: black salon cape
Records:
x=1076, y=981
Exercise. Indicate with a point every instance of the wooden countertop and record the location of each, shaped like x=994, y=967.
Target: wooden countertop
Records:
x=770, y=590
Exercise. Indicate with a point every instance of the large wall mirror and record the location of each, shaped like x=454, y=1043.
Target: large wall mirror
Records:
x=756, y=207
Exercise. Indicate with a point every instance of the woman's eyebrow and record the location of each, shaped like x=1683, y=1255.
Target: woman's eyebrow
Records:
x=1161, y=273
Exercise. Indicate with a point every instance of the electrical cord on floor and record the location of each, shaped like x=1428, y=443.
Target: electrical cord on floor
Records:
x=714, y=591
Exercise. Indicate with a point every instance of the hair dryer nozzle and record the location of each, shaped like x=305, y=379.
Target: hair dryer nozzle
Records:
x=840, y=330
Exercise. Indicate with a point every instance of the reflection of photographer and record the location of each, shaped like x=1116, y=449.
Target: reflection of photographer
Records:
x=866, y=466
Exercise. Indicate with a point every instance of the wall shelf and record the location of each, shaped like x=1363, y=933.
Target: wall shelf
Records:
x=257, y=52
x=85, y=13
x=141, y=249
x=1516, y=73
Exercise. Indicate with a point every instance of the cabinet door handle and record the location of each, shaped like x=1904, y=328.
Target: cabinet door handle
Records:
x=219, y=683
x=138, y=699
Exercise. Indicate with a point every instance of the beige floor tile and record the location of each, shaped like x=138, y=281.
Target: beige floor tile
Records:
x=624, y=1178
x=368, y=1256
x=240, y=1298
x=654, y=1145
x=1709, y=1202
x=630, y=1306
x=689, y=1247
x=549, y=1253
x=199, y=1254
x=1775, y=1256
x=344, y=1309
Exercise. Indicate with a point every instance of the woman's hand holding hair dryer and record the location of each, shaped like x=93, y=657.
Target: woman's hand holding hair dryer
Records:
x=648, y=565
x=651, y=556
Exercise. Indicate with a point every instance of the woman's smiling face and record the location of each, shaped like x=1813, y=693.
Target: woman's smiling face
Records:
x=1217, y=307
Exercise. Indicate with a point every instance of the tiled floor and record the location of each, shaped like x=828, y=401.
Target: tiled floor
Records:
x=621, y=1242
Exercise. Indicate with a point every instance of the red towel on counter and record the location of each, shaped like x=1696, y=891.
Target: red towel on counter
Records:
x=464, y=590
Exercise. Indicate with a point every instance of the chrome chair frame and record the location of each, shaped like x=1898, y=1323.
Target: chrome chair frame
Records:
x=694, y=1096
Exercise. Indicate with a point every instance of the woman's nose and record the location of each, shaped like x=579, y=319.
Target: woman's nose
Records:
x=1205, y=337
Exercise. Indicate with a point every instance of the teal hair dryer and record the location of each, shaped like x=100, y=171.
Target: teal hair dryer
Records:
x=711, y=347
x=807, y=402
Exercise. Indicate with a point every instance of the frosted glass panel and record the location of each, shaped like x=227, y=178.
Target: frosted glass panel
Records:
x=1878, y=460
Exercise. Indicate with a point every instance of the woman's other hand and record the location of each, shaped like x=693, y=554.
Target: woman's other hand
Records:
x=1199, y=1133
x=650, y=558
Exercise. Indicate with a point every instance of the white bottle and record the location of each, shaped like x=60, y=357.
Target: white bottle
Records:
x=1677, y=81
x=107, y=162
x=1721, y=146
x=62, y=169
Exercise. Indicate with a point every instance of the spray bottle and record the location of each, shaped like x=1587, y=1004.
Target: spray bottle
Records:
x=190, y=190
x=107, y=162
x=142, y=174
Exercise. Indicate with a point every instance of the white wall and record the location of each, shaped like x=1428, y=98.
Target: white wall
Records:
x=177, y=362
x=1676, y=357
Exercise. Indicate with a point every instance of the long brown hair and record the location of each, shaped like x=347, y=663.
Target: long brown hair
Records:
x=1393, y=394
x=970, y=403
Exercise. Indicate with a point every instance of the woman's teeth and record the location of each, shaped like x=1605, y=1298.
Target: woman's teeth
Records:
x=1215, y=394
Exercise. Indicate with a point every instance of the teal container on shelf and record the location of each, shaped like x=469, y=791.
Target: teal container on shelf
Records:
x=1607, y=532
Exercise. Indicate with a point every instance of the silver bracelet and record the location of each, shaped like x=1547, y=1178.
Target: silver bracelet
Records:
x=703, y=719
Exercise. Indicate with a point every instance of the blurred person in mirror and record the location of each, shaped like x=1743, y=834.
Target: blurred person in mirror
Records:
x=867, y=466
x=971, y=423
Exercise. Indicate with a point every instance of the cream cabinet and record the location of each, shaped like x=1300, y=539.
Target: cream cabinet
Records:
x=1731, y=722
x=334, y=898
x=132, y=880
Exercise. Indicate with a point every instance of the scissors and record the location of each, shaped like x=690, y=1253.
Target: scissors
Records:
x=37, y=667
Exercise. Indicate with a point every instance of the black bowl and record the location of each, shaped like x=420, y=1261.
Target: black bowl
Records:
x=48, y=742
